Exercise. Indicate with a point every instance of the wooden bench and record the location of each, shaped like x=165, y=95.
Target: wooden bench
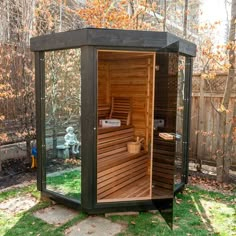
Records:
x=116, y=168
x=163, y=166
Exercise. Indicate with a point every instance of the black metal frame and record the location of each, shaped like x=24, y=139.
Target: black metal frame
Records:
x=187, y=123
x=90, y=40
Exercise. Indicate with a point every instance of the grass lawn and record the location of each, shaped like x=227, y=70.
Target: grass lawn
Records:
x=197, y=212
x=67, y=183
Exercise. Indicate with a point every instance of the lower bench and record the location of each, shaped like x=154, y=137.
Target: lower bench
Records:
x=116, y=168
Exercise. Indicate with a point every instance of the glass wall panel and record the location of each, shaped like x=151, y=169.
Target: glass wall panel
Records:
x=164, y=139
x=180, y=120
x=62, y=122
x=165, y=132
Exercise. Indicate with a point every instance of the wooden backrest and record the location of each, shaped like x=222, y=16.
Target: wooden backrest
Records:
x=121, y=109
x=104, y=111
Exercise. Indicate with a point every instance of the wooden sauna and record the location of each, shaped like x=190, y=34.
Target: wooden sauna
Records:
x=125, y=97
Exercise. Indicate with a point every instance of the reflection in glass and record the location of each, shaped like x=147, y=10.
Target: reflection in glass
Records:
x=180, y=120
x=164, y=124
x=62, y=122
x=164, y=135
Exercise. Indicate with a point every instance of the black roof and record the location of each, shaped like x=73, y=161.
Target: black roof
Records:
x=146, y=40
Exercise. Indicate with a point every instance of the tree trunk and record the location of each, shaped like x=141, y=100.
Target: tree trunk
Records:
x=223, y=147
x=165, y=15
x=28, y=149
x=185, y=17
x=228, y=147
x=54, y=139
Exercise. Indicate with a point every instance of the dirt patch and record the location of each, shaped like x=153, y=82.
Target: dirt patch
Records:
x=95, y=226
x=18, y=204
x=13, y=166
x=210, y=184
x=14, y=172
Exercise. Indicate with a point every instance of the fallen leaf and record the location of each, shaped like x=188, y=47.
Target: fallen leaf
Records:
x=178, y=201
x=91, y=231
x=154, y=222
x=133, y=223
x=175, y=226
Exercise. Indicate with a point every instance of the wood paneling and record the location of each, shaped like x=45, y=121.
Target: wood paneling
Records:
x=103, y=84
x=129, y=75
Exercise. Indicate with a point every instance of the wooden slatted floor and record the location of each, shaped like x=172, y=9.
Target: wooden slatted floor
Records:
x=139, y=189
x=161, y=193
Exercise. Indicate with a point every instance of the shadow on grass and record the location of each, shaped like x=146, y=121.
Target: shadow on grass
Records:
x=192, y=217
x=196, y=213
x=27, y=224
x=202, y=213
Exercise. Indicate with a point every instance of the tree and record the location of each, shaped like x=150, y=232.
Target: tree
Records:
x=225, y=141
x=211, y=59
x=62, y=81
x=20, y=20
x=114, y=14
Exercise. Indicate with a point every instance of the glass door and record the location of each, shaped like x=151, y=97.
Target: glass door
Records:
x=165, y=135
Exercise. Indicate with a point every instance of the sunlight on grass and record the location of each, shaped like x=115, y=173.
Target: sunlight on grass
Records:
x=11, y=222
x=67, y=183
x=221, y=216
x=197, y=212
x=15, y=218
x=216, y=211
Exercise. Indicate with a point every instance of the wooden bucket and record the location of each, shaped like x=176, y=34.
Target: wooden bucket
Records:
x=134, y=147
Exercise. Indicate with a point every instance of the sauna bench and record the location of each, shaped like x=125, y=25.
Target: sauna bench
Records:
x=118, y=169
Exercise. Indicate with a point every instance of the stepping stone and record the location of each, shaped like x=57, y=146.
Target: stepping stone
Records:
x=95, y=226
x=56, y=215
x=18, y=204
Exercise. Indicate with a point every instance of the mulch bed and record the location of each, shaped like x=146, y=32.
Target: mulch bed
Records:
x=14, y=172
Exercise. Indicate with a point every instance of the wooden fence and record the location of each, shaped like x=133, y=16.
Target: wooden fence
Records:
x=206, y=98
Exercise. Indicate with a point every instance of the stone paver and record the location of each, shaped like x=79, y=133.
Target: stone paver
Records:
x=18, y=204
x=56, y=215
x=96, y=226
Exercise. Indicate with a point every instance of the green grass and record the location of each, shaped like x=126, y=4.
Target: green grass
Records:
x=19, y=192
x=67, y=183
x=24, y=223
x=196, y=212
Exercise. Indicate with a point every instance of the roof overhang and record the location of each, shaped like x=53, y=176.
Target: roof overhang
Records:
x=148, y=40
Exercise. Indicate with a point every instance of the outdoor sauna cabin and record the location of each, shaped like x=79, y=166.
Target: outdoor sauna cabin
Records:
x=123, y=97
